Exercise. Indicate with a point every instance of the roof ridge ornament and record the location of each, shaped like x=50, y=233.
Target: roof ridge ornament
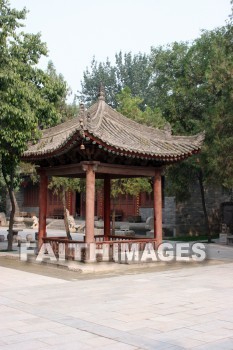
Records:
x=81, y=112
x=81, y=119
x=201, y=136
x=81, y=108
x=168, y=130
x=101, y=95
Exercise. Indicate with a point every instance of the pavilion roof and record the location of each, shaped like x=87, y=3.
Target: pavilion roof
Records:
x=114, y=133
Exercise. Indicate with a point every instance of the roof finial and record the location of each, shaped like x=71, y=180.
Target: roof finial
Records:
x=81, y=118
x=101, y=92
x=81, y=107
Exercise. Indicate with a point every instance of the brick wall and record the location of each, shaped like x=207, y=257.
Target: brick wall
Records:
x=20, y=200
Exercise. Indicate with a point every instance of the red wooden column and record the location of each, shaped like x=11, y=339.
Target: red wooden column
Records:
x=107, y=207
x=158, y=207
x=90, y=203
x=42, y=206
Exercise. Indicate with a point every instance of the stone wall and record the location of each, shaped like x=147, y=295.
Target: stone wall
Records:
x=187, y=217
x=169, y=211
x=189, y=214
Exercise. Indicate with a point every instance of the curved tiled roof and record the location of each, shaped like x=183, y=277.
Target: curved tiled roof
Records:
x=115, y=133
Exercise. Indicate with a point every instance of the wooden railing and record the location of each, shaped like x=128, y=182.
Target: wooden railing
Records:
x=100, y=238
x=104, y=250
x=113, y=250
x=57, y=242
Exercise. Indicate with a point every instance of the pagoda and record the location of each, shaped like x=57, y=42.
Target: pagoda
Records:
x=101, y=143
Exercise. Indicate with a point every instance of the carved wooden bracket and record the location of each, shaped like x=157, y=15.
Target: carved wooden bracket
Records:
x=90, y=166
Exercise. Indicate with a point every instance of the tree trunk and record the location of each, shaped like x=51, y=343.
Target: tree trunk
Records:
x=200, y=179
x=12, y=216
x=66, y=221
x=113, y=216
x=10, y=189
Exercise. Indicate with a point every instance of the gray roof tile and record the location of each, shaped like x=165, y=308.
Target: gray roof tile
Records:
x=111, y=129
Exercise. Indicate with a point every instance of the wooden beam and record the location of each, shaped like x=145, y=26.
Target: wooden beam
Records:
x=128, y=170
x=118, y=170
x=65, y=170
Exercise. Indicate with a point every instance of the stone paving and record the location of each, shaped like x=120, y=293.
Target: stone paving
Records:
x=115, y=306
x=184, y=308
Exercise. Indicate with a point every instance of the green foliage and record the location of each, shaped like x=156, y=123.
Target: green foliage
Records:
x=100, y=72
x=131, y=186
x=129, y=70
x=69, y=111
x=10, y=172
x=31, y=99
x=198, y=238
x=202, y=99
x=167, y=67
x=29, y=96
x=28, y=169
x=129, y=106
x=180, y=177
x=58, y=184
x=57, y=92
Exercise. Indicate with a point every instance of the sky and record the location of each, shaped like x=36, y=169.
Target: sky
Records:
x=77, y=30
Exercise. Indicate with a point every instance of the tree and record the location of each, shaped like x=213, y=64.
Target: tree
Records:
x=129, y=70
x=58, y=91
x=29, y=96
x=190, y=85
x=100, y=73
x=130, y=106
x=198, y=96
x=60, y=186
x=132, y=186
x=2, y=192
x=179, y=80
